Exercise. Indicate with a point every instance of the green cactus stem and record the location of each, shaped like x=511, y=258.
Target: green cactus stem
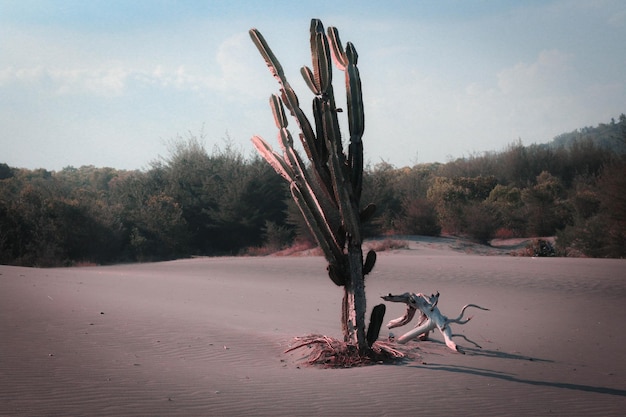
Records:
x=370, y=260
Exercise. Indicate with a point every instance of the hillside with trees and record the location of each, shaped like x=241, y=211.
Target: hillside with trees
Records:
x=196, y=203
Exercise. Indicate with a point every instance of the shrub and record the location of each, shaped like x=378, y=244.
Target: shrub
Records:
x=504, y=233
x=540, y=248
x=480, y=222
x=276, y=236
x=419, y=217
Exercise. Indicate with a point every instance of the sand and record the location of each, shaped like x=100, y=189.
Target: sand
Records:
x=206, y=336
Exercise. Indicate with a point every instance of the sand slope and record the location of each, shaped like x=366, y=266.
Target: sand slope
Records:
x=206, y=337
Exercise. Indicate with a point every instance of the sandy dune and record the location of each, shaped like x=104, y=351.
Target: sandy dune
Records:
x=205, y=337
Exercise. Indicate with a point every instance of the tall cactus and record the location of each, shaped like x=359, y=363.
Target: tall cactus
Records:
x=328, y=190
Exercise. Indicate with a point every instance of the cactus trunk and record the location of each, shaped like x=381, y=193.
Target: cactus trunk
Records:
x=354, y=301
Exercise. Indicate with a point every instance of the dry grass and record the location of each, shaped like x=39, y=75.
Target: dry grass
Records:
x=258, y=251
x=328, y=352
x=299, y=248
x=302, y=248
x=386, y=244
x=84, y=263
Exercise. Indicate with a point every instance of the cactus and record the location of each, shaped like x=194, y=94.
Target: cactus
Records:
x=327, y=192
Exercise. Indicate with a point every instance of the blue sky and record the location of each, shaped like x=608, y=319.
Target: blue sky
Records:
x=112, y=83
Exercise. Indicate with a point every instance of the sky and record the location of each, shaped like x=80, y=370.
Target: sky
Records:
x=113, y=83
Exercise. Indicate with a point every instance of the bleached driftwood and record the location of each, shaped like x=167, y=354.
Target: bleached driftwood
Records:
x=429, y=319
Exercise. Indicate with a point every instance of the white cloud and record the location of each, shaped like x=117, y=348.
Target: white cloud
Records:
x=618, y=19
x=243, y=73
x=234, y=68
x=234, y=59
x=100, y=82
x=68, y=81
x=550, y=72
x=424, y=114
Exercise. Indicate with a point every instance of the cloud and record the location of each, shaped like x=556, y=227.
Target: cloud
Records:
x=238, y=69
x=527, y=96
x=232, y=67
x=538, y=100
x=549, y=73
x=426, y=114
x=618, y=19
x=243, y=73
x=110, y=82
x=105, y=82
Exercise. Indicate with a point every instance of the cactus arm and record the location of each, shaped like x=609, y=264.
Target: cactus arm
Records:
x=278, y=111
x=302, y=176
x=354, y=97
x=316, y=27
x=280, y=119
x=370, y=261
x=367, y=213
x=325, y=213
x=356, y=118
x=323, y=71
x=356, y=168
x=332, y=252
x=266, y=52
x=346, y=60
x=342, y=187
x=351, y=54
x=272, y=158
x=339, y=54
x=309, y=79
x=320, y=56
x=288, y=96
x=320, y=143
x=307, y=138
x=323, y=203
x=293, y=171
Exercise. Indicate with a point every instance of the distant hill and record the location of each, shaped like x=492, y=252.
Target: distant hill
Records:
x=611, y=136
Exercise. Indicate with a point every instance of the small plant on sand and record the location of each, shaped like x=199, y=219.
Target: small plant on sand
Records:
x=540, y=248
x=327, y=190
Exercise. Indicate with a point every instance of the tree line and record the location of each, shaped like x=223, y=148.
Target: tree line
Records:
x=197, y=203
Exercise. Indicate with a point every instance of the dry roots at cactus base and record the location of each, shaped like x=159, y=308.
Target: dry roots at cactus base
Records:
x=329, y=352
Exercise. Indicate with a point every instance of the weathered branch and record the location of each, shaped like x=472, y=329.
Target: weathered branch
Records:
x=401, y=321
x=458, y=319
x=430, y=317
x=467, y=339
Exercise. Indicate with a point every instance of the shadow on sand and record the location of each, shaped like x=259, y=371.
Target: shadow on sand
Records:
x=511, y=378
x=504, y=376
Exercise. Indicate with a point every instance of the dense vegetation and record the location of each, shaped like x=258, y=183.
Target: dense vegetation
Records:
x=200, y=203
